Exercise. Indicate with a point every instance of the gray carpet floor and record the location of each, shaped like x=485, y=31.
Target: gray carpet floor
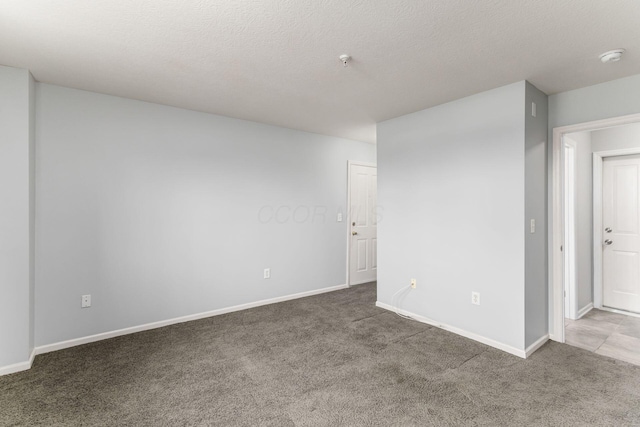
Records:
x=329, y=360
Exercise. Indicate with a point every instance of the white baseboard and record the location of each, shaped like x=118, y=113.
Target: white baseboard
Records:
x=584, y=310
x=458, y=331
x=536, y=345
x=18, y=367
x=106, y=335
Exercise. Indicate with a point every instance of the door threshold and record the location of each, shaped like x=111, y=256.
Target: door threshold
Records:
x=615, y=310
x=363, y=283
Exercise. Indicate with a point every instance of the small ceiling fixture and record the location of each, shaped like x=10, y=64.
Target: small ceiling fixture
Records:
x=612, y=56
x=345, y=59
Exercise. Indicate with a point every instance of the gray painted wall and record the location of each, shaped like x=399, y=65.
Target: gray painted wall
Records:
x=451, y=185
x=16, y=226
x=612, y=99
x=159, y=212
x=32, y=210
x=616, y=138
x=584, y=218
x=536, y=296
x=606, y=100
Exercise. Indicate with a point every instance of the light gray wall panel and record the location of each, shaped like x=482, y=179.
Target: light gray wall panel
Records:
x=451, y=183
x=616, y=138
x=536, y=294
x=15, y=216
x=584, y=218
x=159, y=212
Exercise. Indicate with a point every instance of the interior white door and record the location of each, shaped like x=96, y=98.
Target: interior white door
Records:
x=621, y=234
x=363, y=257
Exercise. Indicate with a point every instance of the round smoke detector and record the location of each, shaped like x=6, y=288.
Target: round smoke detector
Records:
x=611, y=56
x=344, y=59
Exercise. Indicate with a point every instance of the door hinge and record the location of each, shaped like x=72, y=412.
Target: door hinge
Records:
x=560, y=248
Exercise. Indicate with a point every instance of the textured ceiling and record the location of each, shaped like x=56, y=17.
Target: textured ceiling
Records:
x=276, y=61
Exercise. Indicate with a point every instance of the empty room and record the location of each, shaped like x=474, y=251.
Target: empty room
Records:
x=331, y=213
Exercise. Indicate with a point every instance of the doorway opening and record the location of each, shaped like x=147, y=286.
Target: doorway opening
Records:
x=595, y=237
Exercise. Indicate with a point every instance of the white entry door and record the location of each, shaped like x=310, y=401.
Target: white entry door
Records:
x=621, y=233
x=363, y=263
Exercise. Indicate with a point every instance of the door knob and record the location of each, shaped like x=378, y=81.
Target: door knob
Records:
x=608, y=230
x=353, y=233
x=608, y=242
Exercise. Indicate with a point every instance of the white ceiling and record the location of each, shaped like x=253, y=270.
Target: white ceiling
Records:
x=276, y=61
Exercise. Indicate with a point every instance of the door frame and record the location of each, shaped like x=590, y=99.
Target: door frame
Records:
x=598, y=159
x=351, y=163
x=556, y=231
x=570, y=247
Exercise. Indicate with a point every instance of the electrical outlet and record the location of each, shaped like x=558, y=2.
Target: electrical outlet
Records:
x=533, y=226
x=86, y=301
x=339, y=219
x=413, y=283
x=267, y=273
x=475, y=298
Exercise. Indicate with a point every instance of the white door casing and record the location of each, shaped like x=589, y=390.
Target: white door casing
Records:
x=621, y=233
x=570, y=265
x=362, y=223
